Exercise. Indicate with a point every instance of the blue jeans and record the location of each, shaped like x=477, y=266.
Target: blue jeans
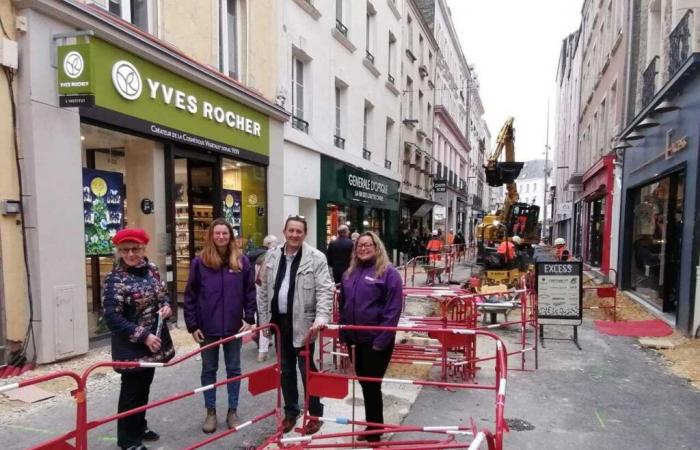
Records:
x=210, y=365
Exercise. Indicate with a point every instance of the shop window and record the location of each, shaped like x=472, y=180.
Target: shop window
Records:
x=115, y=165
x=244, y=197
x=657, y=236
x=596, y=225
x=141, y=13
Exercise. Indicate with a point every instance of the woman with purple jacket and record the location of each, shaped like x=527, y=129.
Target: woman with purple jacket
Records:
x=220, y=302
x=371, y=293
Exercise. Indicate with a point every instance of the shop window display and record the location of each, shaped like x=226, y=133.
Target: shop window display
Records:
x=105, y=174
x=657, y=235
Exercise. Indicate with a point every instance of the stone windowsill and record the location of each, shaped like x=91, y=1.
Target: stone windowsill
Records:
x=345, y=42
x=371, y=67
x=309, y=8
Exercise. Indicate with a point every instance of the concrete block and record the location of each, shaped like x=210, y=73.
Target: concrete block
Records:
x=658, y=343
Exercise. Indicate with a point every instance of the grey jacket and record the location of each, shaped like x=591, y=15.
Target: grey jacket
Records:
x=313, y=290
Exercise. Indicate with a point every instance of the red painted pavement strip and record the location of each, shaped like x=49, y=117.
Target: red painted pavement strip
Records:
x=636, y=328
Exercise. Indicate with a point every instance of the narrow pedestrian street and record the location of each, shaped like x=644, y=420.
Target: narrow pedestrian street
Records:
x=612, y=394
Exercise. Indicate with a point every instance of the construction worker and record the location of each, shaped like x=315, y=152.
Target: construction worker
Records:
x=433, y=247
x=507, y=249
x=560, y=250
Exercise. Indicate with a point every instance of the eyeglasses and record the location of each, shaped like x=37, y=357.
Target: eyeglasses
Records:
x=365, y=245
x=296, y=217
x=128, y=250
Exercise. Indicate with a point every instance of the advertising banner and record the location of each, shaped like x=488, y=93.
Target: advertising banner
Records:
x=103, y=210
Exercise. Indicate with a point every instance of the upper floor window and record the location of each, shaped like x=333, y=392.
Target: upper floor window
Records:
x=228, y=35
x=409, y=33
x=141, y=13
x=298, y=95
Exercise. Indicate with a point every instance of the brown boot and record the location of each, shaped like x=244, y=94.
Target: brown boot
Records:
x=210, y=421
x=232, y=418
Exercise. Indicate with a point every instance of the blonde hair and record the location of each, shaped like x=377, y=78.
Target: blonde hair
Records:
x=381, y=259
x=210, y=253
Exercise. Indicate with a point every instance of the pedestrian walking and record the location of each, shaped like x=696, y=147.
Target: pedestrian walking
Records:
x=220, y=302
x=371, y=294
x=339, y=253
x=404, y=246
x=136, y=303
x=296, y=294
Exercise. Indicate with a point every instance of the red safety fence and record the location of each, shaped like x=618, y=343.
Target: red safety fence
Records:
x=456, y=356
x=259, y=381
x=335, y=385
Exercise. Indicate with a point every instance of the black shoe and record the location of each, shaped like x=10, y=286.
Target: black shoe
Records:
x=150, y=436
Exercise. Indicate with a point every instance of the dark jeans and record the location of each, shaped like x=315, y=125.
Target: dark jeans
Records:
x=372, y=363
x=290, y=360
x=210, y=365
x=134, y=393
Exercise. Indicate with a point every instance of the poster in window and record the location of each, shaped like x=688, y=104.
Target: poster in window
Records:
x=232, y=209
x=103, y=210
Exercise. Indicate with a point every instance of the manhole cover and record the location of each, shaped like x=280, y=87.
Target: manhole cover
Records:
x=519, y=425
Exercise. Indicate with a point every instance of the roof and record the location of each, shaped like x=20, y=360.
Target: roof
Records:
x=534, y=169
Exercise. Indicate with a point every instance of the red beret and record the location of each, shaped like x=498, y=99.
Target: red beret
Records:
x=131, y=235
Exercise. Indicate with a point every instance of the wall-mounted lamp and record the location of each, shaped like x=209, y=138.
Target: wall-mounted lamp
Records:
x=646, y=123
x=621, y=145
x=634, y=136
x=666, y=106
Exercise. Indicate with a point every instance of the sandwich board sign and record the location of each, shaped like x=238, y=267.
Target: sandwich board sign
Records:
x=560, y=294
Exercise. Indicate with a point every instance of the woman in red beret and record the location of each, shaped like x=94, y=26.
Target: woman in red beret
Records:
x=133, y=299
x=220, y=302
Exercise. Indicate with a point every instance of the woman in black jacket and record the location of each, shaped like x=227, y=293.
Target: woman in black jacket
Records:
x=133, y=299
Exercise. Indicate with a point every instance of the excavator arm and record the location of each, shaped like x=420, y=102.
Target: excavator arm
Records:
x=500, y=173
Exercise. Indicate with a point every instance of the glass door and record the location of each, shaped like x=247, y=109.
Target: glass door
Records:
x=196, y=204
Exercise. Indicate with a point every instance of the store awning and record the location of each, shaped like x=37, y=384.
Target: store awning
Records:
x=424, y=208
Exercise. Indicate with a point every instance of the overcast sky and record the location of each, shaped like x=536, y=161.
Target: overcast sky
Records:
x=514, y=46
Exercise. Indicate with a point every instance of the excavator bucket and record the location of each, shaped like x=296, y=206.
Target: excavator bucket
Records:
x=502, y=173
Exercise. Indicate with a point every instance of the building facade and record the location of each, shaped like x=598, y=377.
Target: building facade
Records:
x=152, y=135
x=566, y=136
x=339, y=75
x=601, y=116
x=531, y=184
x=660, y=147
x=451, y=152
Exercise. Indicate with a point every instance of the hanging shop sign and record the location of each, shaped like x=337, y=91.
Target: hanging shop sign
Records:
x=103, y=210
x=162, y=103
x=440, y=186
x=559, y=291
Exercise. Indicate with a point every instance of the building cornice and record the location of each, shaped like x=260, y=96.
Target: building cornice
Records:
x=447, y=119
x=128, y=37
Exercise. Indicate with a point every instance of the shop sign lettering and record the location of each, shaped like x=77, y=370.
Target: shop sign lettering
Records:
x=97, y=73
x=367, y=188
x=676, y=146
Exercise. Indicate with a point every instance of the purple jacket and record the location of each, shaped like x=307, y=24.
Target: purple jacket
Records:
x=217, y=300
x=366, y=300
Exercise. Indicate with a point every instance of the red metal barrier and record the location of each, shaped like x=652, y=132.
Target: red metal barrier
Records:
x=604, y=292
x=335, y=385
x=259, y=381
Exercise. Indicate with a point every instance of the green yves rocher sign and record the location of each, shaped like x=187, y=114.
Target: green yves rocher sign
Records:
x=166, y=104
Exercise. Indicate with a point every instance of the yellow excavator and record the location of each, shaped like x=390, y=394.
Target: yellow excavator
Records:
x=513, y=219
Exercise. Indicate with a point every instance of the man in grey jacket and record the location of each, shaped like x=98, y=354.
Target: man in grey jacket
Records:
x=296, y=294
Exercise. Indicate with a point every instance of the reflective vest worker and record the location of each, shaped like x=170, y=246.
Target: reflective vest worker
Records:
x=433, y=247
x=507, y=249
x=560, y=249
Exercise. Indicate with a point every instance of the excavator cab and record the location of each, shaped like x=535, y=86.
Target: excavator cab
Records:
x=502, y=173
